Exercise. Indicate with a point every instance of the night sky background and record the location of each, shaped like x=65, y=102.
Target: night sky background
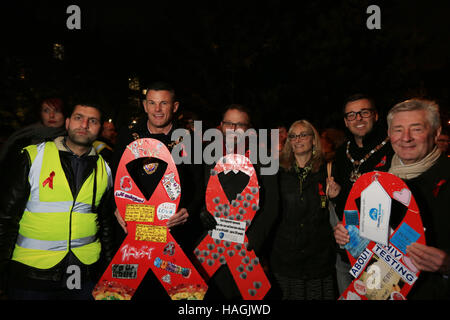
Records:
x=285, y=60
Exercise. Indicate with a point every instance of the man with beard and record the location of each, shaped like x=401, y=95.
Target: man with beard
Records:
x=53, y=222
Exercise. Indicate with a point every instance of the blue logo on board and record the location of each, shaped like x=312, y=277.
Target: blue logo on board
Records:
x=373, y=213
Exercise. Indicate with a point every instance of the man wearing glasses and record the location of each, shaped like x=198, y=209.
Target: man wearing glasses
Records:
x=366, y=149
x=235, y=122
x=414, y=126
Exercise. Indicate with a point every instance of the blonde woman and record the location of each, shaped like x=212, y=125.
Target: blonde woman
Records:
x=302, y=257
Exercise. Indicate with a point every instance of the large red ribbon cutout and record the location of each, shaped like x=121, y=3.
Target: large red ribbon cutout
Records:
x=149, y=243
x=214, y=252
x=381, y=272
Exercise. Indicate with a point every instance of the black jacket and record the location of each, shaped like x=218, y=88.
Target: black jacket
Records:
x=342, y=166
x=32, y=134
x=431, y=190
x=303, y=245
x=191, y=177
x=13, y=198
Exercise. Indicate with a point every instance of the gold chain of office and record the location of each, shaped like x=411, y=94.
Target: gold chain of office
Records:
x=355, y=174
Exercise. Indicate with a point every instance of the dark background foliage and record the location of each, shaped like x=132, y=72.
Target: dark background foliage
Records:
x=286, y=60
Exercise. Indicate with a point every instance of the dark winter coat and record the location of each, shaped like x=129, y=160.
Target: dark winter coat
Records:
x=342, y=166
x=432, y=193
x=303, y=244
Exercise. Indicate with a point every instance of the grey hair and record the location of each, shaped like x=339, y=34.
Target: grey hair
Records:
x=430, y=107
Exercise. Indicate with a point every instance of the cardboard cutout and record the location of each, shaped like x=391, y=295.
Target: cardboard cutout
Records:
x=381, y=272
x=149, y=243
x=227, y=244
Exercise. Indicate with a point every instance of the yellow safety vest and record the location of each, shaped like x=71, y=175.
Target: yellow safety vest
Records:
x=100, y=145
x=53, y=221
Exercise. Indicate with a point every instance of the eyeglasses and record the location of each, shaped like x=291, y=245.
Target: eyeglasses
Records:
x=237, y=125
x=364, y=113
x=301, y=136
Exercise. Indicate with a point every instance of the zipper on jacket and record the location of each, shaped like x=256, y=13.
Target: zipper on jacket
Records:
x=74, y=200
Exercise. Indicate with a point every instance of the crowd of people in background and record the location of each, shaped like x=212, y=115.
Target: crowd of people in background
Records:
x=297, y=233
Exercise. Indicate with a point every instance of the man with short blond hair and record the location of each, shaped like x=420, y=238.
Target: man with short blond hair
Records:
x=160, y=105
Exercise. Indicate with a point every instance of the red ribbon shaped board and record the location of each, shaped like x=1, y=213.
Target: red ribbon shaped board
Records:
x=237, y=215
x=149, y=243
x=382, y=272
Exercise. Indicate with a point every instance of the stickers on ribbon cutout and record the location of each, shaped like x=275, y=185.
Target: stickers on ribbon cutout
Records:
x=172, y=187
x=357, y=244
x=375, y=211
x=227, y=244
x=229, y=230
x=149, y=243
x=381, y=270
x=166, y=210
x=124, y=271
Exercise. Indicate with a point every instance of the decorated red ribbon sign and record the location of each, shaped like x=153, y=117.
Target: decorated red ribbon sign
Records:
x=382, y=272
x=149, y=244
x=227, y=244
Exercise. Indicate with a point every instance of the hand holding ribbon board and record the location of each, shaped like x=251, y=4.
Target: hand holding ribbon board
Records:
x=149, y=243
x=384, y=223
x=227, y=244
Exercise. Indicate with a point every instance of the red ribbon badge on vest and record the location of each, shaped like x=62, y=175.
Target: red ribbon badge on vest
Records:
x=149, y=244
x=49, y=180
x=227, y=244
x=382, y=271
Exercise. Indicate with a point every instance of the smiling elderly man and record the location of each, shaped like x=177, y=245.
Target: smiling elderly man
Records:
x=413, y=127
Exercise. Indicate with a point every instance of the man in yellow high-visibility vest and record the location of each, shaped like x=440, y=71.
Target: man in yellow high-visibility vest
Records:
x=55, y=229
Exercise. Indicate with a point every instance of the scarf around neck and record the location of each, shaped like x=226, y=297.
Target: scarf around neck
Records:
x=410, y=171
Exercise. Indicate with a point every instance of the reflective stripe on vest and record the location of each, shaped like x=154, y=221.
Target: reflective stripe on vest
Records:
x=99, y=146
x=63, y=206
x=52, y=220
x=52, y=245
